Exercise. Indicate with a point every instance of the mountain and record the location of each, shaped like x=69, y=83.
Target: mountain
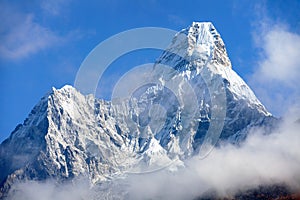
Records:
x=195, y=103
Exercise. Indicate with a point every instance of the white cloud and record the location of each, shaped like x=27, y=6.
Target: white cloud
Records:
x=262, y=159
x=281, y=50
x=33, y=190
x=55, y=7
x=177, y=20
x=21, y=35
x=276, y=78
x=277, y=73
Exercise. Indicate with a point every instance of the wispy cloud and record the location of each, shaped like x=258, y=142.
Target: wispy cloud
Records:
x=281, y=53
x=55, y=7
x=26, y=38
x=278, y=73
x=52, y=190
x=278, y=69
x=177, y=20
x=21, y=35
x=261, y=160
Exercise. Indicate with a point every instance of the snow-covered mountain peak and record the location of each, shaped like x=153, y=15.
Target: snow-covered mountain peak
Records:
x=67, y=89
x=199, y=44
x=67, y=92
x=197, y=53
x=203, y=32
x=204, y=39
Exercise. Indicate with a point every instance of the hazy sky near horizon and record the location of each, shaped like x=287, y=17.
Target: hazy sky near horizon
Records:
x=43, y=43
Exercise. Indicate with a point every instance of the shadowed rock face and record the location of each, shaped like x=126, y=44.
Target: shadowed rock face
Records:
x=68, y=134
x=276, y=191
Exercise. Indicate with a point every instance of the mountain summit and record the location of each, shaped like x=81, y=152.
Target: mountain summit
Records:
x=201, y=43
x=67, y=134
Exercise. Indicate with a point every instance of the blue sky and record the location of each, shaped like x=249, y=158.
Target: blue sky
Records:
x=43, y=43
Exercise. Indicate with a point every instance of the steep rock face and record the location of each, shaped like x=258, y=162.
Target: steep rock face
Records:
x=23, y=147
x=68, y=134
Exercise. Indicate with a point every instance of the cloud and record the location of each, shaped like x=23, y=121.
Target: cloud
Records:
x=55, y=7
x=262, y=159
x=21, y=35
x=276, y=77
x=33, y=190
x=280, y=59
x=177, y=20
